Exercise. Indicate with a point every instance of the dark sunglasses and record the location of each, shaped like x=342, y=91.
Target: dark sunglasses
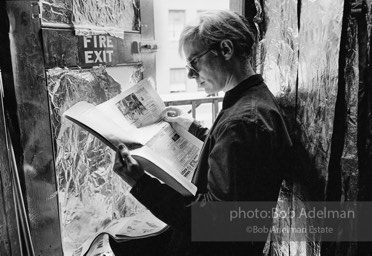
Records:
x=191, y=65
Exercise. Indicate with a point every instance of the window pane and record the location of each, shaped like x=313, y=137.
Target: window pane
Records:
x=176, y=21
x=177, y=79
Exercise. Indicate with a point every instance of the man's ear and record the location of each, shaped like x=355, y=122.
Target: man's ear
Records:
x=227, y=48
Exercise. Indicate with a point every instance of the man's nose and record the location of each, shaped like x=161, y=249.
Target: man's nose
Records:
x=192, y=74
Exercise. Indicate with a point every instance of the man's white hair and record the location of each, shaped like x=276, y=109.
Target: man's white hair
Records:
x=212, y=27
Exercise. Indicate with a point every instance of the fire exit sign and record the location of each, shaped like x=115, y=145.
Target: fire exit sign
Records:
x=100, y=49
x=63, y=48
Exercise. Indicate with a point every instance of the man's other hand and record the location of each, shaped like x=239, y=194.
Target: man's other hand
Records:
x=126, y=166
x=175, y=115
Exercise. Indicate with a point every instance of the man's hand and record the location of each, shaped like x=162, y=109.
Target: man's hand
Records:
x=175, y=115
x=126, y=166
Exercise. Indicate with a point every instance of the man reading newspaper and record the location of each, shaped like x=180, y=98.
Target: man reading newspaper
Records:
x=242, y=152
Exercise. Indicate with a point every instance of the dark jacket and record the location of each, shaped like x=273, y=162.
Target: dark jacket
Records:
x=241, y=160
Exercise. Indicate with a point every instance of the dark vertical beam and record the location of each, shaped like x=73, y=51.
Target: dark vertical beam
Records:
x=251, y=13
x=364, y=106
x=369, y=88
x=333, y=185
x=299, y=4
x=333, y=191
x=148, y=38
x=363, y=16
x=26, y=106
x=9, y=241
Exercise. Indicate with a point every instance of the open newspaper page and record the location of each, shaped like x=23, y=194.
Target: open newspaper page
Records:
x=139, y=109
x=142, y=225
x=134, y=118
x=178, y=148
x=100, y=125
x=175, y=153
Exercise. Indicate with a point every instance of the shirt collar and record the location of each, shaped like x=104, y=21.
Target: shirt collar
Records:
x=237, y=92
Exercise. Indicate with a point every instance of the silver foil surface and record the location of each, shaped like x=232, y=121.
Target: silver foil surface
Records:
x=349, y=158
x=319, y=39
x=279, y=48
x=90, y=194
x=104, y=14
x=279, y=63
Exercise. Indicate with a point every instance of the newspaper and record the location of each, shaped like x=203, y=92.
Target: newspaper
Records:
x=137, y=111
x=175, y=146
x=138, y=226
x=134, y=118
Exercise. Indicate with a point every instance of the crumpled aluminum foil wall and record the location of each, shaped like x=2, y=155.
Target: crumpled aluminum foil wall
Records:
x=319, y=39
x=349, y=157
x=90, y=194
x=109, y=15
x=279, y=48
x=99, y=13
x=318, y=81
x=318, y=43
x=279, y=62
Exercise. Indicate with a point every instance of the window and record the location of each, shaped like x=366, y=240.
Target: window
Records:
x=176, y=21
x=177, y=79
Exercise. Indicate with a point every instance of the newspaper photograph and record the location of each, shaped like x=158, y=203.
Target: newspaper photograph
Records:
x=140, y=105
x=138, y=108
